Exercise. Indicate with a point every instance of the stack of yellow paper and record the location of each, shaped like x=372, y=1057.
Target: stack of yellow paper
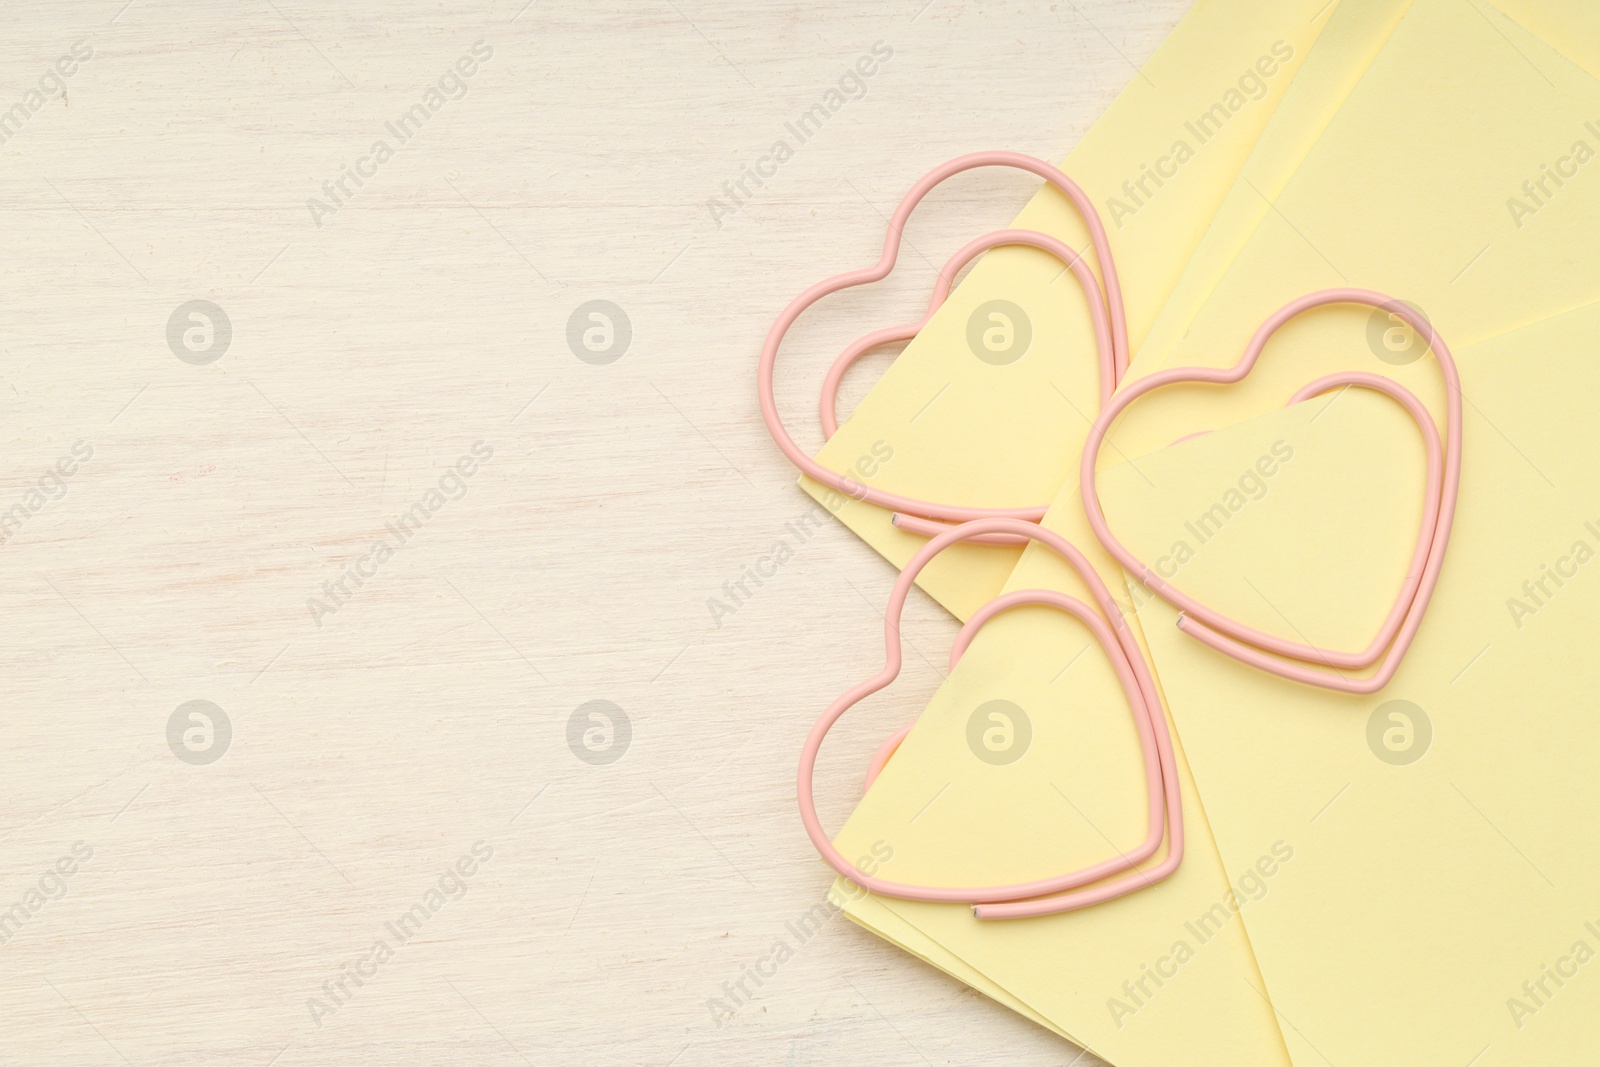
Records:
x=1403, y=878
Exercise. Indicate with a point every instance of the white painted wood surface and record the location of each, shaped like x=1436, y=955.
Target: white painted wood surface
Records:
x=369, y=353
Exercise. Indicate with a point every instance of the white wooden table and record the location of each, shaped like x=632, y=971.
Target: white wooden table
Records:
x=374, y=736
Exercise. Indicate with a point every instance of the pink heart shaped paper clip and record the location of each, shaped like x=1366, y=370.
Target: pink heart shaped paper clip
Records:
x=1297, y=660
x=1106, y=312
x=1065, y=892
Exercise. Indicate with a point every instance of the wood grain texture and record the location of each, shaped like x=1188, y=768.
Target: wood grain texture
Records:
x=373, y=746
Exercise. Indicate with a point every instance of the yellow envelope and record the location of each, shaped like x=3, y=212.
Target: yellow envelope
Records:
x=1003, y=428
x=1443, y=901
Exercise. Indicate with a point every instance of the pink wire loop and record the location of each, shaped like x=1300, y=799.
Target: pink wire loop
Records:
x=1058, y=893
x=914, y=524
x=1106, y=311
x=1301, y=661
x=1112, y=358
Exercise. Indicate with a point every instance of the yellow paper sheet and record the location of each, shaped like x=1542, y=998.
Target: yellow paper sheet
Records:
x=1282, y=152
x=1003, y=428
x=1443, y=902
x=889, y=926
